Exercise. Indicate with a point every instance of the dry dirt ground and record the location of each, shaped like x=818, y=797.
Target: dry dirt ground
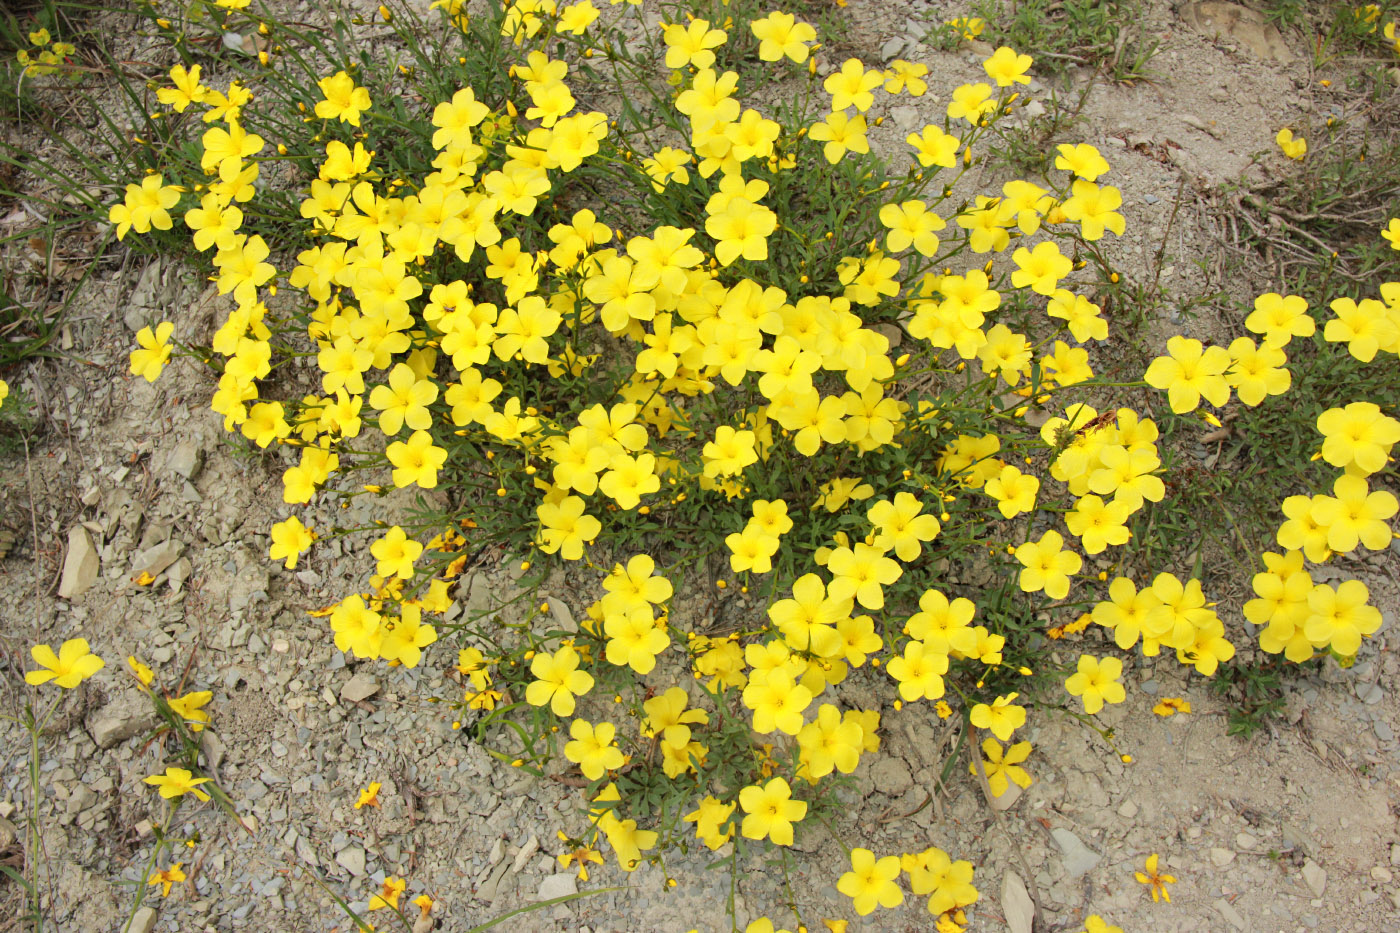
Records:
x=1291, y=830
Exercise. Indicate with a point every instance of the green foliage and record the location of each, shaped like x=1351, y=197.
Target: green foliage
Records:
x=1104, y=36
x=1254, y=693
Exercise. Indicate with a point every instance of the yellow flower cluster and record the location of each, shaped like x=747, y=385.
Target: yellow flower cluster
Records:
x=46, y=57
x=721, y=369
x=1298, y=616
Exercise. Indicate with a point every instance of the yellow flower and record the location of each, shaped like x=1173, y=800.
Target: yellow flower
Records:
x=1082, y=160
x=971, y=102
x=403, y=639
x=1189, y=372
x=1006, y=67
x=1096, y=682
x=948, y=883
x=565, y=529
x=1358, y=437
x=187, y=89
x=396, y=553
x=1013, y=490
x=1157, y=882
x=1280, y=318
x=165, y=879
x=1392, y=231
x=389, y=892
x=712, y=824
x=580, y=855
x=343, y=100
x=871, y=882
x=635, y=638
x=141, y=672
x=1000, y=769
x=574, y=19
x=176, y=782
x=1001, y=718
x=290, y=539
x=557, y=681
x=416, y=460
x=73, y=664
x=771, y=811
x=1047, y=566
x=1294, y=148
x=369, y=797
x=780, y=34
x=1170, y=706
x=190, y=708
x=154, y=351
x=691, y=44
x=594, y=748
x=146, y=205
x=1095, y=209
x=852, y=86
x=777, y=701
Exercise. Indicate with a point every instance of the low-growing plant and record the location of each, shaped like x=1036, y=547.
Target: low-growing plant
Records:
x=1104, y=36
x=798, y=417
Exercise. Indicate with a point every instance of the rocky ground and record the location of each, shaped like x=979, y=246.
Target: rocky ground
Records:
x=1293, y=829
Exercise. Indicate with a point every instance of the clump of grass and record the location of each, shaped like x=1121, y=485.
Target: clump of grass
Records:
x=1104, y=36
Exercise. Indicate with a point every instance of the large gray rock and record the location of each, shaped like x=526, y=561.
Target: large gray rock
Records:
x=130, y=714
x=1079, y=859
x=360, y=687
x=1249, y=28
x=560, y=885
x=81, y=564
x=143, y=921
x=1016, y=904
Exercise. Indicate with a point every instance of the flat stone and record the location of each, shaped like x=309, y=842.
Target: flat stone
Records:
x=186, y=459
x=1249, y=28
x=143, y=921
x=1196, y=123
x=81, y=564
x=154, y=560
x=1231, y=915
x=352, y=859
x=130, y=714
x=1315, y=876
x=1078, y=859
x=906, y=118
x=563, y=616
x=362, y=686
x=1127, y=810
x=1246, y=841
x=487, y=890
x=523, y=856
x=1221, y=857
x=1016, y=904
x=178, y=573
x=1382, y=874
x=561, y=885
